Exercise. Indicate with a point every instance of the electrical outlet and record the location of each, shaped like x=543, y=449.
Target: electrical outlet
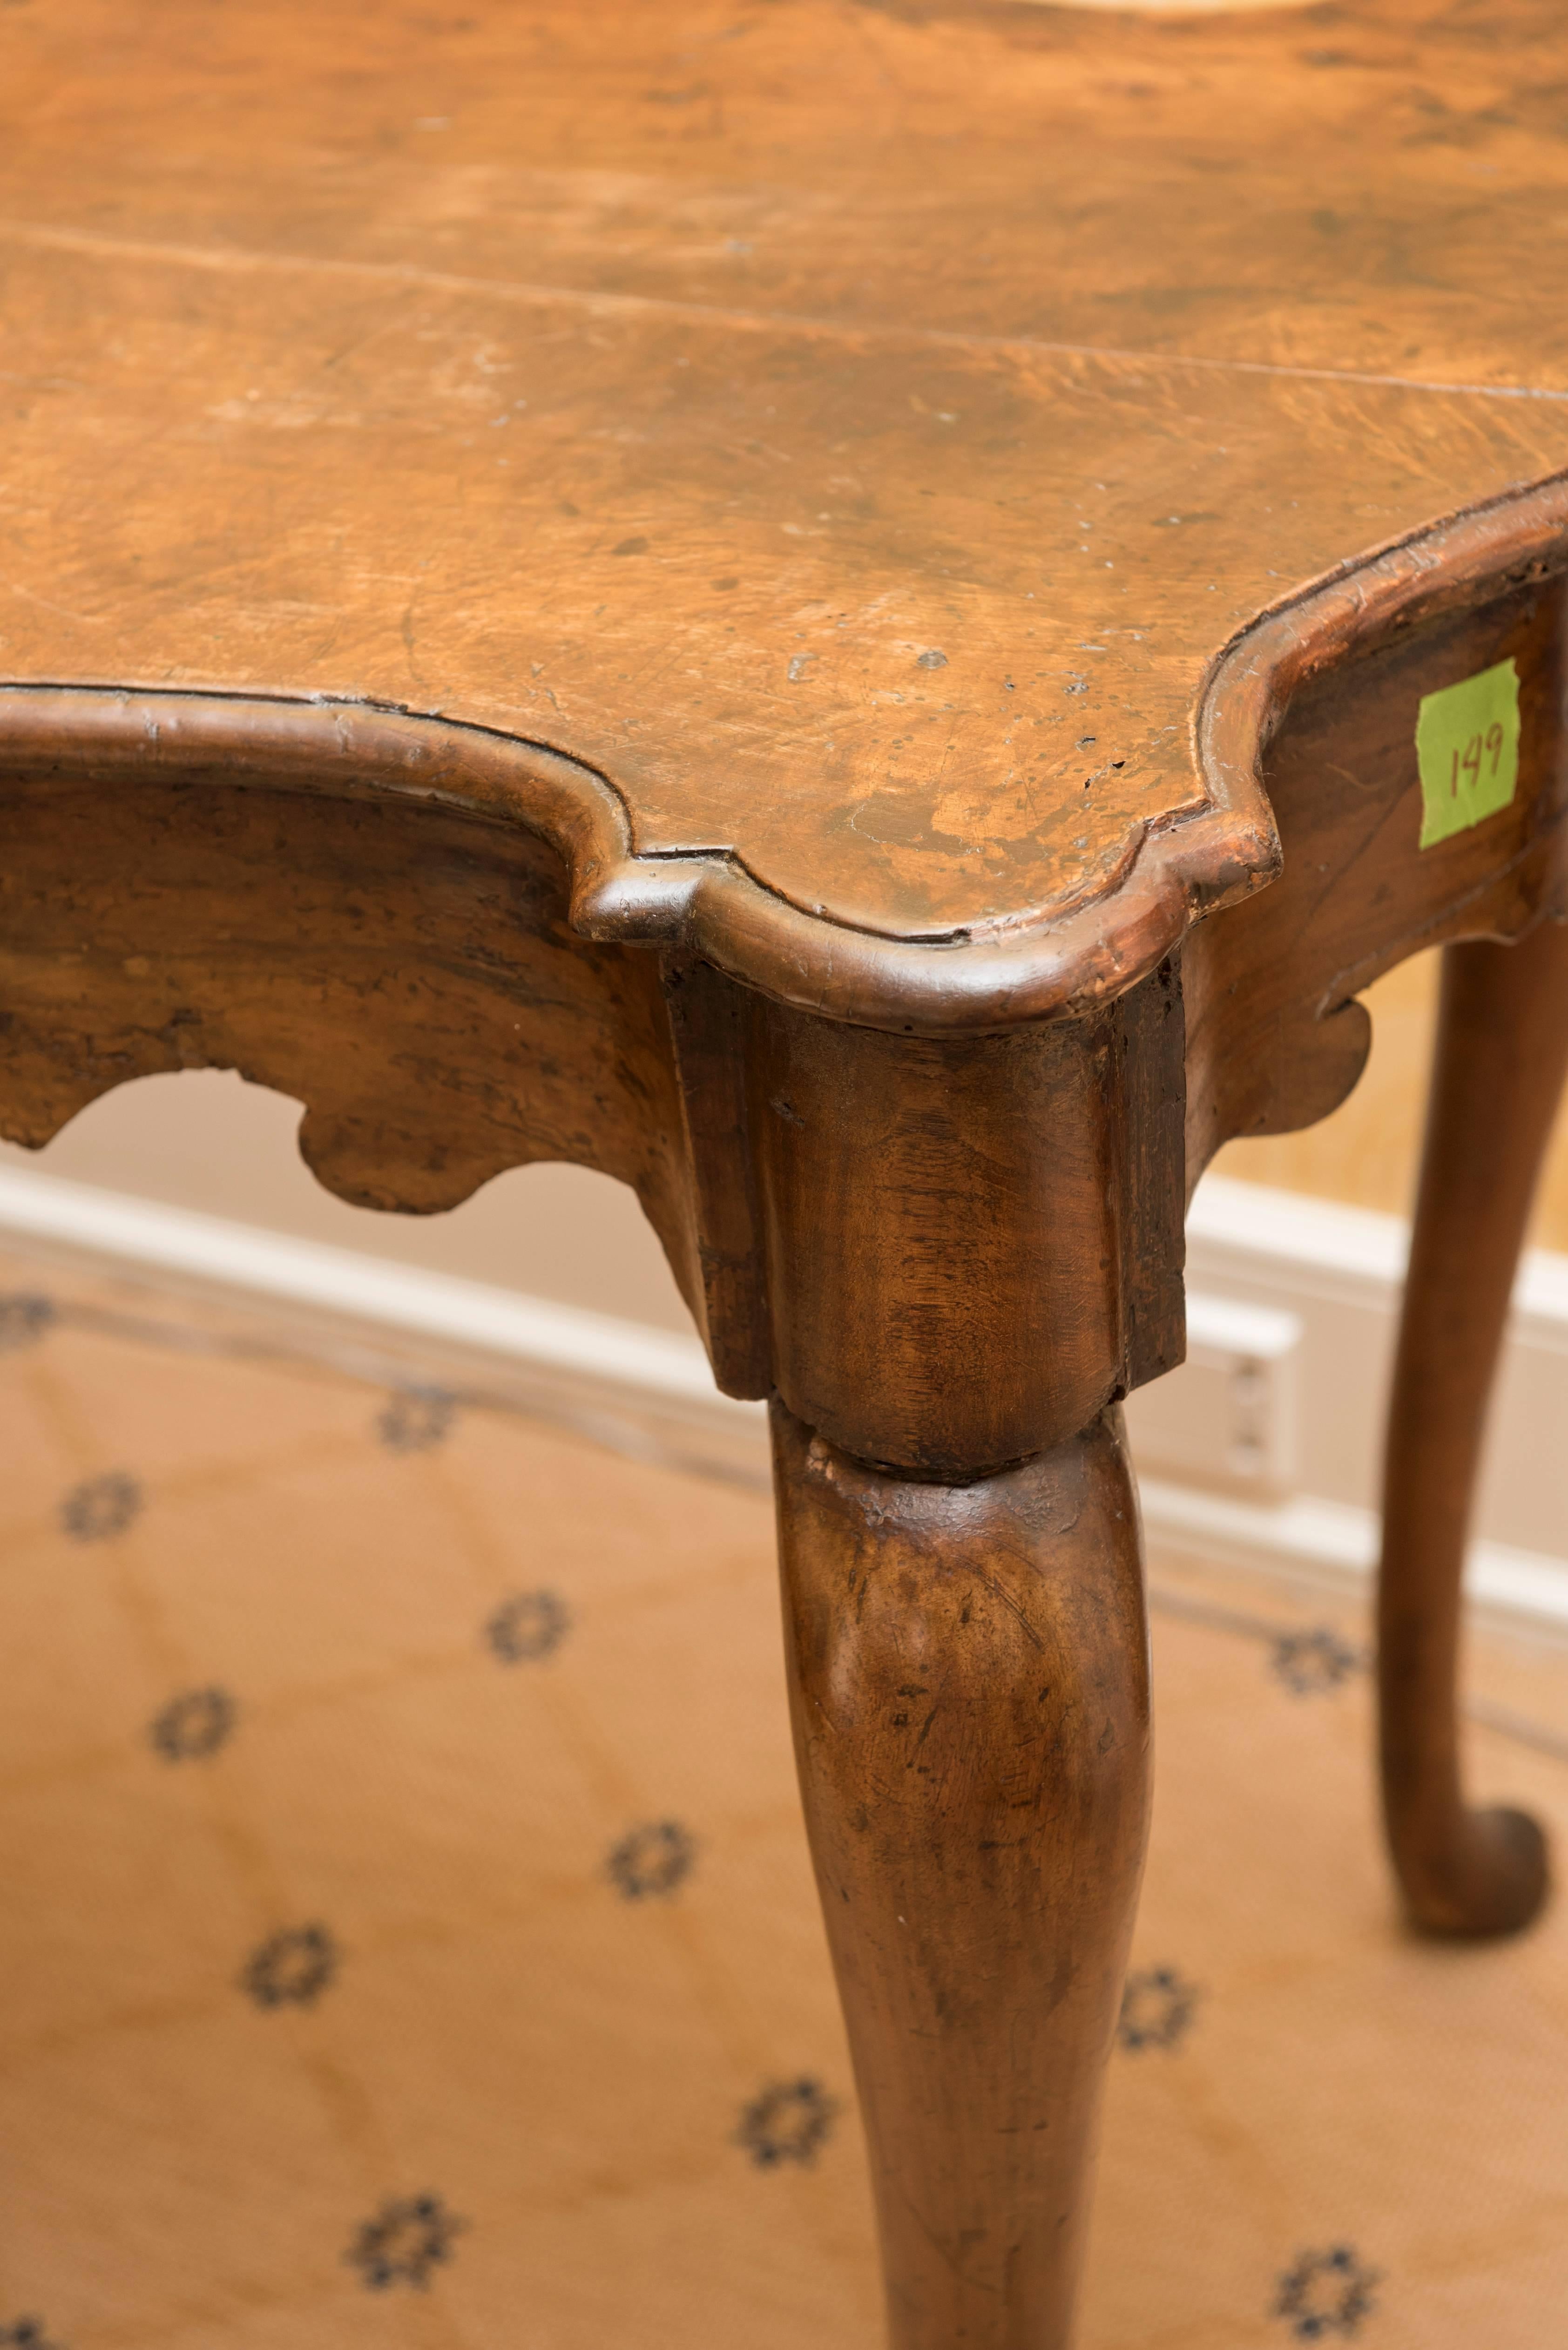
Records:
x=1229, y=1415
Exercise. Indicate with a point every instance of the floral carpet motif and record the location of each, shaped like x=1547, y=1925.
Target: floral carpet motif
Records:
x=409, y=1924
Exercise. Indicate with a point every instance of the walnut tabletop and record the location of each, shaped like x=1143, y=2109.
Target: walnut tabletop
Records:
x=871, y=617
x=853, y=434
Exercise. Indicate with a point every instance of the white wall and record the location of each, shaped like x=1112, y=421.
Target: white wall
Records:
x=205, y=1139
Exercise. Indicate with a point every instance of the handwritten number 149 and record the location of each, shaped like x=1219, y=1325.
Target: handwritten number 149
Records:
x=1470, y=762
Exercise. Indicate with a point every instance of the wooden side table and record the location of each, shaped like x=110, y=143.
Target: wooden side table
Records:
x=871, y=617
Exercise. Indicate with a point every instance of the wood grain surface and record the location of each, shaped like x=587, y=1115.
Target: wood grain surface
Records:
x=411, y=978
x=1502, y=1050
x=905, y=508
x=969, y=1686
x=854, y=432
x=1275, y=1034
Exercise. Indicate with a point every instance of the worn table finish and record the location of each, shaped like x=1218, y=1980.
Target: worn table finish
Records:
x=824, y=608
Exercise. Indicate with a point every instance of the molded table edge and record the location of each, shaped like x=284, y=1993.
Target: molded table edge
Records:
x=1053, y=965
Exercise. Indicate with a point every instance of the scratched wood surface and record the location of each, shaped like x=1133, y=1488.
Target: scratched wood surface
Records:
x=852, y=430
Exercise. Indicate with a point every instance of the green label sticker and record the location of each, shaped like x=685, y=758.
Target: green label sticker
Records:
x=1467, y=741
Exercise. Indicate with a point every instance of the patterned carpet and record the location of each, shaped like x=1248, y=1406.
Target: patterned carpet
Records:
x=408, y=1938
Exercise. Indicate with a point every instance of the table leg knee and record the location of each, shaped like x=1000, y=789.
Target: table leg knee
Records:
x=969, y=1691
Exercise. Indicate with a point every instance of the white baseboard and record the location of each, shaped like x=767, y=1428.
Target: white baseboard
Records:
x=647, y=1391
x=1335, y=1545
x=1261, y=1451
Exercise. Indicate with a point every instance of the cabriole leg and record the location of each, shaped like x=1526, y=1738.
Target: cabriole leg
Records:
x=1502, y=1048
x=968, y=1682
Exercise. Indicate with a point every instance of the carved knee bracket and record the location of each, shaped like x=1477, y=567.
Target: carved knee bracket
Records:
x=971, y=1245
